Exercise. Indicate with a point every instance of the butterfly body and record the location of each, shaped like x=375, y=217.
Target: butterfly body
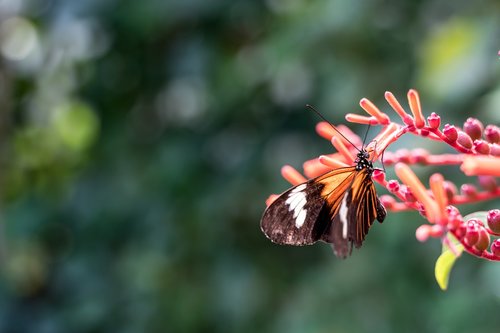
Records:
x=338, y=207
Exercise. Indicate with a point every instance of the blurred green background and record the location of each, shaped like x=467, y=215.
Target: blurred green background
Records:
x=139, y=140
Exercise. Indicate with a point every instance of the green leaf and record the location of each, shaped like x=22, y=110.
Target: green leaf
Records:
x=480, y=215
x=445, y=262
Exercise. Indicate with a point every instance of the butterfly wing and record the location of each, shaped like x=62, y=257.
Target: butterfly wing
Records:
x=358, y=209
x=302, y=214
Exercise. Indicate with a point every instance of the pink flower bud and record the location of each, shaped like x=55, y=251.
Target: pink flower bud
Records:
x=403, y=155
x=408, y=194
x=424, y=132
x=450, y=132
x=421, y=210
x=472, y=233
x=464, y=140
x=378, y=175
x=434, y=120
x=393, y=186
x=484, y=240
x=461, y=231
x=493, y=219
x=481, y=147
x=450, y=189
x=495, y=149
x=419, y=155
x=495, y=248
x=492, y=134
x=474, y=128
x=489, y=183
x=423, y=232
x=387, y=201
x=468, y=190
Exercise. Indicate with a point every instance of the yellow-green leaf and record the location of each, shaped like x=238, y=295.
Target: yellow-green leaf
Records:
x=445, y=262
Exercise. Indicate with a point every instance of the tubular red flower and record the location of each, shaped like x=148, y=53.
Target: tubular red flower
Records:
x=437, y=186
x=474, y=165
x=415, y=107
x=359, y=119
x=291, y=175
x=393, y=102
x=410, y=179
x=372, y=110
x=342, y=149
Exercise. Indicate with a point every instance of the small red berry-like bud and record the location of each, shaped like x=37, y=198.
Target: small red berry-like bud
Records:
x=468, y=190
x=450, y=132
x=495, y=149
x=408, y=194
x=378, y=175
x=450, y=189
x=474, y=128
x=423, y=232
x=419, y=155
x=489, y=183
x=393, y=186
x=461, y=231
x=472, y=233
x=403, y=155
x=421, y=209
x=436, y=231
x=492, y=134
x=484, y=240
x=387, y=201
x=493, y=219
x=481, y=147
x=424, y=132
x=464, y=140
x=434, y=120
x=495, y=248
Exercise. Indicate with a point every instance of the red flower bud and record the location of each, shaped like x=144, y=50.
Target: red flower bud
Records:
x=464, y=140
x=495, y=248
x=484, y=240
x=495, y=149
x=493, y=219
x=472, y=233
x=408, y=194
x=403, y=155
x=434, y=120
x=419, y=155
x=378, y=175
x=393, y=186
x=489, y=183
x=450, y=189
x=474, y=128
x=468, y=190
x=387, y=201
x=492, y=134
x=481, y=147
x=450, y=132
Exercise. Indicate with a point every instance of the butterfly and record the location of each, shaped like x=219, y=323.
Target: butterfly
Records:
x=338, y=207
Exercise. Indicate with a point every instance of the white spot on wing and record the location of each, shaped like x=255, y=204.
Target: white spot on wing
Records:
x=296, y=202
x=301, y=218
x=343, y=215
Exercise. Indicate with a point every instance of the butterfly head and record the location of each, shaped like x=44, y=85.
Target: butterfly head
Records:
x=363, y=161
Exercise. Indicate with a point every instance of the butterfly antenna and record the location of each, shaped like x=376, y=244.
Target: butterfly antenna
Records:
x=310, y=107
x=366, y=135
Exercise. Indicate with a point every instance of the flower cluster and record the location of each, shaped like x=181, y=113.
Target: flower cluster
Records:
x=477, y=153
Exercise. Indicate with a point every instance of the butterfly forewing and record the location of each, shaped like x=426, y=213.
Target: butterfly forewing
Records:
x=301, y=215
